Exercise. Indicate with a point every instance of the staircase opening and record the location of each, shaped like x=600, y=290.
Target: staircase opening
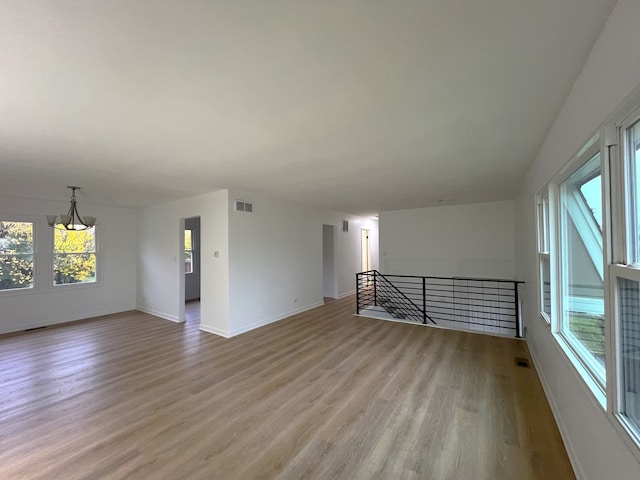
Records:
x=475, y=304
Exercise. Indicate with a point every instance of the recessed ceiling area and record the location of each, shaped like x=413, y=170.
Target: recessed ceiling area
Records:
x=355, y=106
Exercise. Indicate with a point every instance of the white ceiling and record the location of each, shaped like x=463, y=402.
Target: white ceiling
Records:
x=359, y=106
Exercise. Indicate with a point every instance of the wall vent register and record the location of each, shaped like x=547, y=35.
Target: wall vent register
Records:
x=242, y=206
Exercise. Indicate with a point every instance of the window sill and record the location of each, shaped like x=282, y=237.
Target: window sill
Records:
x=586, y=376
x=75, y=286
x=19, y=291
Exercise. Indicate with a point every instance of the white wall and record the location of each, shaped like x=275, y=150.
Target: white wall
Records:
x=276, y=259
x=349, y=248
x=192, y=280
x=160, y=279
x=329, y=238
x=611, y=72
x=49, y=305
x=275, y=263
x=457, y=240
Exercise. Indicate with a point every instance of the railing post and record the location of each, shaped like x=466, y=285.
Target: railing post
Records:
x=357, y=295
x=375, y=289
x=424, y=300
x=517, y=298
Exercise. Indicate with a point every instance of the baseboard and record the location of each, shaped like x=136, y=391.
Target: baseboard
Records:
x=71, y=318
x=350, y=292
x=156, y=313
x=573, y=458
x=277, y=318
x=214, y=330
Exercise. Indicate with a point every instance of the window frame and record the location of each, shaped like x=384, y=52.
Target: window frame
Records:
x=35, y=284
x=98, y=278
x=624, y=265
x=577, y=353
x=544, y=214
x=612, y=140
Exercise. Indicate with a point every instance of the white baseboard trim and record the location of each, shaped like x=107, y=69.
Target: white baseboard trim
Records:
x=71, y=318
x=156, y=313
x=214, y=330
x=346, y=294
x=262, y=323
x=573, y=458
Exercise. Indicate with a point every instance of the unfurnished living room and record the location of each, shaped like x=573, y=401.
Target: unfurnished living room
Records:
x=320, y=240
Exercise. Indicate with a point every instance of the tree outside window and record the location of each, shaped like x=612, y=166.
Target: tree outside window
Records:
x=16, y=255
x=74, y=256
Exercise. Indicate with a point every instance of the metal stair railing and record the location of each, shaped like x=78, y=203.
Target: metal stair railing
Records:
x=477, y=304
x=374, y=289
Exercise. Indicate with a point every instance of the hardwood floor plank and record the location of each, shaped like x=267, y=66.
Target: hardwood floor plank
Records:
x=322, y=394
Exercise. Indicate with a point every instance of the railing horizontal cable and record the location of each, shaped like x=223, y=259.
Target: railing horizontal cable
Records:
x=478, y=303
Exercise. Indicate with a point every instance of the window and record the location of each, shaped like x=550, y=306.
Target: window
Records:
x=588, y=229
x=17, y=258
x=544, y=257
x=627, y=281
x=582, y=321
x=74, y=256
x=632, y=160
x=188, y=251
x=629, y=354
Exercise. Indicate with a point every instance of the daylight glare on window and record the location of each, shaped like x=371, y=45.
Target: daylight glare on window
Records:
x=592, y=193
x=582, y=265
x=188, y=251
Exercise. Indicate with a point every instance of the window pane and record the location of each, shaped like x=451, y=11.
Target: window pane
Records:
x=74, y=259
x=582, y=266
x=72, y=241
x=74, y=268
x=16, y=255
x=188, y=262
x=633, y=149
x=545, y=223
x=188, y=251
x=545, y=277
x=592, y=193
x=629, y=303
x=16, y=237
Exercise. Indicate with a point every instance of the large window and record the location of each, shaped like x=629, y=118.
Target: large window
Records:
x=627, y=279
x=582, y=321
x=16, y=255
x=588, y=229
x=74, y=256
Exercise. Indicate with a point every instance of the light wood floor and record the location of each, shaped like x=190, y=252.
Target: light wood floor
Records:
x=321, y=395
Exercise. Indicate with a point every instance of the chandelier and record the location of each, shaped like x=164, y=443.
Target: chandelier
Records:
x=72, y=220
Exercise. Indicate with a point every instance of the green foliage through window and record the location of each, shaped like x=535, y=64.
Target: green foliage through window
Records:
x=74, y=256
x=16, y=255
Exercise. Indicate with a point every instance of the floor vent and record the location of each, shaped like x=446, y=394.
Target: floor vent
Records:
x=34, y=328
x=522, y=362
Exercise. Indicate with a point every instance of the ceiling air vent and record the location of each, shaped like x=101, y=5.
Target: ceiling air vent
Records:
x=242, y=206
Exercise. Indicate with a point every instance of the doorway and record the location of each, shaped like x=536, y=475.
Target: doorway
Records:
x=366, y=251
x=190, y=270
x=329, y=237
